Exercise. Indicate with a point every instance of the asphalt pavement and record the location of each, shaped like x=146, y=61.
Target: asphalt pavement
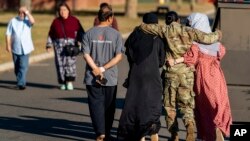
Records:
x=42, y=112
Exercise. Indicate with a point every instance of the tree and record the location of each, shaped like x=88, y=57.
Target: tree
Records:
x=179, y=4
x=131, y=8
x=26, y=3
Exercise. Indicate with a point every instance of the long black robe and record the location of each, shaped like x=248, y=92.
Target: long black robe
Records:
x=142, y=110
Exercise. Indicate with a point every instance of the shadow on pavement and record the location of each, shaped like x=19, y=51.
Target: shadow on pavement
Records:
x=247, y=92
x=42, y=109
x=119, y=101
x=3, y=24
x=12, y=85
x=7, y=84
x=58, y=128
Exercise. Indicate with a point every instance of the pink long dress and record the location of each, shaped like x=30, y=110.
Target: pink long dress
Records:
x=212, y=102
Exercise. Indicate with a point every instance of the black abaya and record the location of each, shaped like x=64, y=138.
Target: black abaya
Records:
x=142, y=109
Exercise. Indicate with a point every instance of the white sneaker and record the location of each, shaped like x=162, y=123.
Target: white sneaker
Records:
x=70, y=86
x=63, y=87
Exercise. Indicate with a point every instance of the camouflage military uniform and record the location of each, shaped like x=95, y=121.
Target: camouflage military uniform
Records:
x=178, y=89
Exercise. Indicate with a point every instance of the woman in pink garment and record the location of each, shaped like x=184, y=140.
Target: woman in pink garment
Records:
x=212, y=112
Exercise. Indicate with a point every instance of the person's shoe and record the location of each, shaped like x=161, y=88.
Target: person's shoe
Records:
x=154, y=137
x=142, y=139
x=190, y=132
x=70, y=86
x=21, y=87
x=63, y=87
x=174, y=136
x=219, y=136
x=100, y=138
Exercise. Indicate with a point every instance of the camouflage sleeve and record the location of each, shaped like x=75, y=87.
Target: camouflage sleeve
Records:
x=154, y=29
x=202, y=37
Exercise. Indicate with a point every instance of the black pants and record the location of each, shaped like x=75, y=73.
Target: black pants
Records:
x=101, y=100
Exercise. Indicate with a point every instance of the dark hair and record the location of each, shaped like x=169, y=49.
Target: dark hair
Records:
x=104, y=4
x=170, y=17
x=60, y=5
x=188, y=23
x=150, y=18
x=105, y=13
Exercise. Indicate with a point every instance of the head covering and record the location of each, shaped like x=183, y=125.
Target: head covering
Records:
x=170, y=17
x=150, y=18
x=200, y=21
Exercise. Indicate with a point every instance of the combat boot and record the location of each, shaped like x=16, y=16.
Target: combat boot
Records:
x=190, y=132
x=174, y=136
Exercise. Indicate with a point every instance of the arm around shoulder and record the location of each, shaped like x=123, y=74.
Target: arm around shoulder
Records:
x=206, y=38
x=154, y=29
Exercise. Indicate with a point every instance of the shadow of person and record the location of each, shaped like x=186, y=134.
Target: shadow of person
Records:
x=8, y=84
x=119, y=101
x=50, y=127
x=3, y=24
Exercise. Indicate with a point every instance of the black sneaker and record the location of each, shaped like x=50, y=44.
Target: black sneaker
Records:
x=21, y=87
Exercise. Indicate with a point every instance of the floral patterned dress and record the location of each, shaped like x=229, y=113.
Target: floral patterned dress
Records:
x=64, y=32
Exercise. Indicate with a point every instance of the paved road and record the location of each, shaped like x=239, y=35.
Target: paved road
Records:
x=42, y=112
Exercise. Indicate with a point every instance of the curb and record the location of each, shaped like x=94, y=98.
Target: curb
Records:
x=37, y=58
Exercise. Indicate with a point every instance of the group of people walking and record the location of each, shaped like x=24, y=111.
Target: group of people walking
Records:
x=193, y=82
x=172, y=65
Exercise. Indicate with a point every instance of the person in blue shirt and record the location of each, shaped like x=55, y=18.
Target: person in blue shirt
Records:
x=19, y=43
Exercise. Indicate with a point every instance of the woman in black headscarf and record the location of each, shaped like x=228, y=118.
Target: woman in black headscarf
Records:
x=142, y=109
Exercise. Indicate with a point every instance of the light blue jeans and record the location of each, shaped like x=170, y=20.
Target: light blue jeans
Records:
x=21, y=64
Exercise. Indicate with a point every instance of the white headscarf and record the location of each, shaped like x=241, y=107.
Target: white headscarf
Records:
x=200, y=21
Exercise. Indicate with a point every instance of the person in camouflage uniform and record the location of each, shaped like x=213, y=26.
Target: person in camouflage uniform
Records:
x=179, y=79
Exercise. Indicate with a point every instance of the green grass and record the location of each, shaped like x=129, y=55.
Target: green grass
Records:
x=43, y=21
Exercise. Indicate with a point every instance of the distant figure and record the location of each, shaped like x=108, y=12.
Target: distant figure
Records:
x=143, y=103
x=114, y=23
x=64, y=30
x=103, y=49
x=19, y=42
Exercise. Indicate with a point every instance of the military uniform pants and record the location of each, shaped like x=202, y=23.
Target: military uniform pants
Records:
x=178, y=95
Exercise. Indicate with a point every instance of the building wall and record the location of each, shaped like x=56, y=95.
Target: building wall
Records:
x=9, y=4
